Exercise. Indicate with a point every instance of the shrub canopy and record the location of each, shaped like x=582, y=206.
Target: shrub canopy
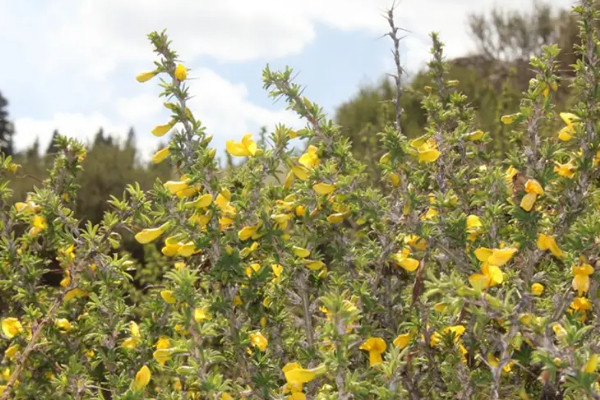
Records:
x=457, y=275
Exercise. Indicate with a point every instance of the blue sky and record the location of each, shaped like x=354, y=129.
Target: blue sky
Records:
x=71, y=64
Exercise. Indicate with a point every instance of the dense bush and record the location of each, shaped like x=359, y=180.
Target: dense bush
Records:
x=295, y=276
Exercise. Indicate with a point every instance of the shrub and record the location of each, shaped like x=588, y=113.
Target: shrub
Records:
x=294, y=276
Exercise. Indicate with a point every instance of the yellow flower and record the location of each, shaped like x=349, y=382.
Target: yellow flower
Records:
x=300, y=252
x=567, y=132
x=160, y=155
x=591, y=365
x=63, y=324
x=533, y=186
x=134, y=329
x=581, y=304
x=299, y=172
x=473, y=227
x=28, y=207
x=175, y=247
x=130, y=343
x=259, y=341
x=277, y=270
x=74, y=293
x=546, y=242
x=375, y=346
x=252, y=269
x=537, y=289
x=426, y=149
x=456, y=331
x=149, y=235
x=186, y=249
x=430, y=214
x=394, y=179
x=310, y=159
x=181, y=188
x=567, y=170
x=200, y=314
x=11, y=327
x=296, y=375
x=39, y=224
x=180, y=329
x=171, y=246
x=402, y=259
x=510, y=174
x=415, y=241
x=314, y=265
x=146, y=76
x=245, y=148
x=323, y=188
x=224, y=222
x=495, y=257
x=247, y=232
x=11, y=352
x=510, y=118
x=403, y=340
x=289, y=179
x=246, y=251
x=142, y=378
x=161, y=130
x=163, y=343
x=490, y=275
x=66, y=281
x=179, y=266
x=533, y=189
x=336, y=218
x=300, y=211
x=473, y=222
x=559, y=331
x=282, y=220
x=493, y=361
x=581, y=279
x=223, y=202
x=180, y=72
x=201, y=202
x=162, y=356
x=473, y=136
x=168, y=296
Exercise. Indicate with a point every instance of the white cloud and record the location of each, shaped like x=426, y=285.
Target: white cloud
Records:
x=138, y=108
x=70, y=57
x=94, y=37
x=80, y=126
x=223, y=107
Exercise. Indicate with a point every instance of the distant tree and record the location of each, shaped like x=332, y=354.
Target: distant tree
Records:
x=6, y=129
x=107, y=169
x=34, y=150
x=52, y=145
x=130, y=143
x=513, y=35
